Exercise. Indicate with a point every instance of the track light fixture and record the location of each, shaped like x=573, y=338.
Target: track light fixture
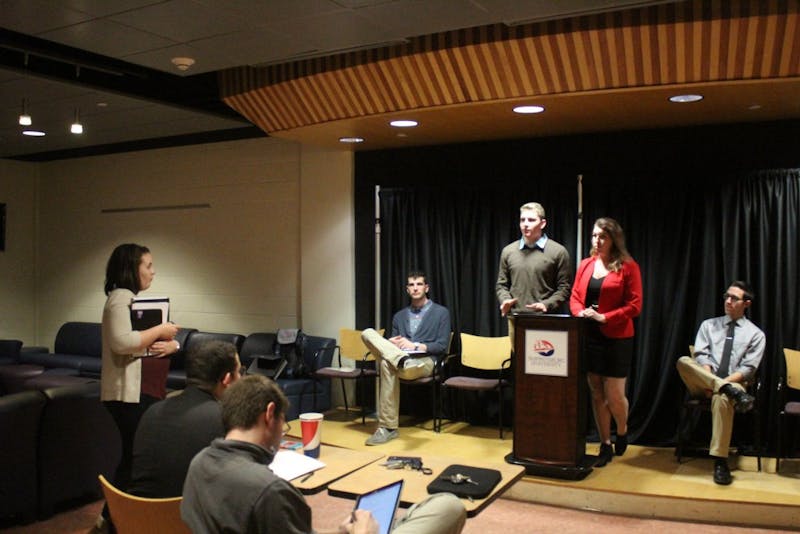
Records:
x=25, y=117
x=77, y=127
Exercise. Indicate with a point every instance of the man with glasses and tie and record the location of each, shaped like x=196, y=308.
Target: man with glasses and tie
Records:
x=727, y=350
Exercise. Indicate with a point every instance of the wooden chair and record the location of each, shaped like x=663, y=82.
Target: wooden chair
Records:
x=692, y=407
x=487, y=355
x=788, y=408
x=136, y=515
x=351, y=346
x=434, y=382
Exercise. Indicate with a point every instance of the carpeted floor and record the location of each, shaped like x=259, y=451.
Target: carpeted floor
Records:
x=501, y=517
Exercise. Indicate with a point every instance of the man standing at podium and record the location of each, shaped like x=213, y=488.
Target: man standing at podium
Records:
x=534, y=272
x=727, y=350
x=419, y=330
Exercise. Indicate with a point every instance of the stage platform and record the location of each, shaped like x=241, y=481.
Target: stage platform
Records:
x=646, y=482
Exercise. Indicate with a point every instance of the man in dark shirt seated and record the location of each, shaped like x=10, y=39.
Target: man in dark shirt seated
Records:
x=419, y=330
x=230, y=487
x=173, y=430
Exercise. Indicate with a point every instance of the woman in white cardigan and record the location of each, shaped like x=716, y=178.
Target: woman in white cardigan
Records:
x=130, y=383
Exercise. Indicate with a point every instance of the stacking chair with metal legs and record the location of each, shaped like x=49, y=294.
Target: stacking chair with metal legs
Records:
x=788, y=408
x=485, y=355
x=351, y=346
x=434, y=382
x=693, y=407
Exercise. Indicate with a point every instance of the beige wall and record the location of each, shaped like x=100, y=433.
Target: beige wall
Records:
x=327, y=234
x=18, y=261
x=233, y=267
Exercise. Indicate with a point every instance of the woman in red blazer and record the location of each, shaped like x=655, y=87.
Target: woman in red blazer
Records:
x=608, y=293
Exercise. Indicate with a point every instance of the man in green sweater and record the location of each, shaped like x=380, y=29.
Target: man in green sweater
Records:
x=534, y=272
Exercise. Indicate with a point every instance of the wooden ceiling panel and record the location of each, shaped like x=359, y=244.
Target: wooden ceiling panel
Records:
x=589, y=57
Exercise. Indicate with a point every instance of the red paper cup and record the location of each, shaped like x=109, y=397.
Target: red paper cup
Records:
x=311, y=429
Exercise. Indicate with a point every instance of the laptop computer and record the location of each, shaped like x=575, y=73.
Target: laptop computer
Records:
x=382, y=503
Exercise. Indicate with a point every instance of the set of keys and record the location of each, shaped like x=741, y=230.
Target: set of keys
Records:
x=458, y=478
x=407, y=463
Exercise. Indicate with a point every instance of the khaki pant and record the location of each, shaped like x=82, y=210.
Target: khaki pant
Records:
x=441, y=513
x=387, y=357
x=698, y=381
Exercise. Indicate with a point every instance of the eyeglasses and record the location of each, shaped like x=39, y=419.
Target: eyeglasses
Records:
x=286, y=428
x=734, y=298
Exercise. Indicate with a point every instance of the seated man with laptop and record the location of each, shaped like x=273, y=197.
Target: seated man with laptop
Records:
x=230, y=488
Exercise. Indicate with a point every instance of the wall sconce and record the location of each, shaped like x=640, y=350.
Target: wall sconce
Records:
x=25, y=117
x=77, y=127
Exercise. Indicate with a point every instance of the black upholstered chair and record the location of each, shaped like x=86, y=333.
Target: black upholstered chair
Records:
x=257, y=344
x=9, y=351
x=20, y=414
x=308, y=393
x=78, y=345
x=176, y=377
x=13, y=377
x=78, y=440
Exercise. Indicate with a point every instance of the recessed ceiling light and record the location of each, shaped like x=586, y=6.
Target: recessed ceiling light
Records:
x=33, y=133
x=528, y=109
x=404, y=123
x=754, y=107
x=351, y=139
x=685, y=98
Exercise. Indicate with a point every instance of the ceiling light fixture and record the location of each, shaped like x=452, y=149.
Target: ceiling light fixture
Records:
x=77, y=127
x=404, y=123
x=25, y=116
x=528, y=109
x=33, y=133
x=682, y=99
x=182, y=63
x=351, y=139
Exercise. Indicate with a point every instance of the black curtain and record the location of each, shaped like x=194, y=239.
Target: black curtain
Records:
x=690, y=234
x=455, y=237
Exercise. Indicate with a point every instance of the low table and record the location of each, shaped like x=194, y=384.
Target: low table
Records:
x=374, y=476
x=338, y=462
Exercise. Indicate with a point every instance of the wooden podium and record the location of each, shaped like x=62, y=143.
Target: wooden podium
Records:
x=550, y=396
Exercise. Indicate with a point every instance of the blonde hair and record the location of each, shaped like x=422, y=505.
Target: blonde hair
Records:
x=533, y=206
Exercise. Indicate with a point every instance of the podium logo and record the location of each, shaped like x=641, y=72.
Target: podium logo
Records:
x=543, y=347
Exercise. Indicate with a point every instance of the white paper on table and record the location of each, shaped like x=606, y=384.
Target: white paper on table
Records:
x=289, y=464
